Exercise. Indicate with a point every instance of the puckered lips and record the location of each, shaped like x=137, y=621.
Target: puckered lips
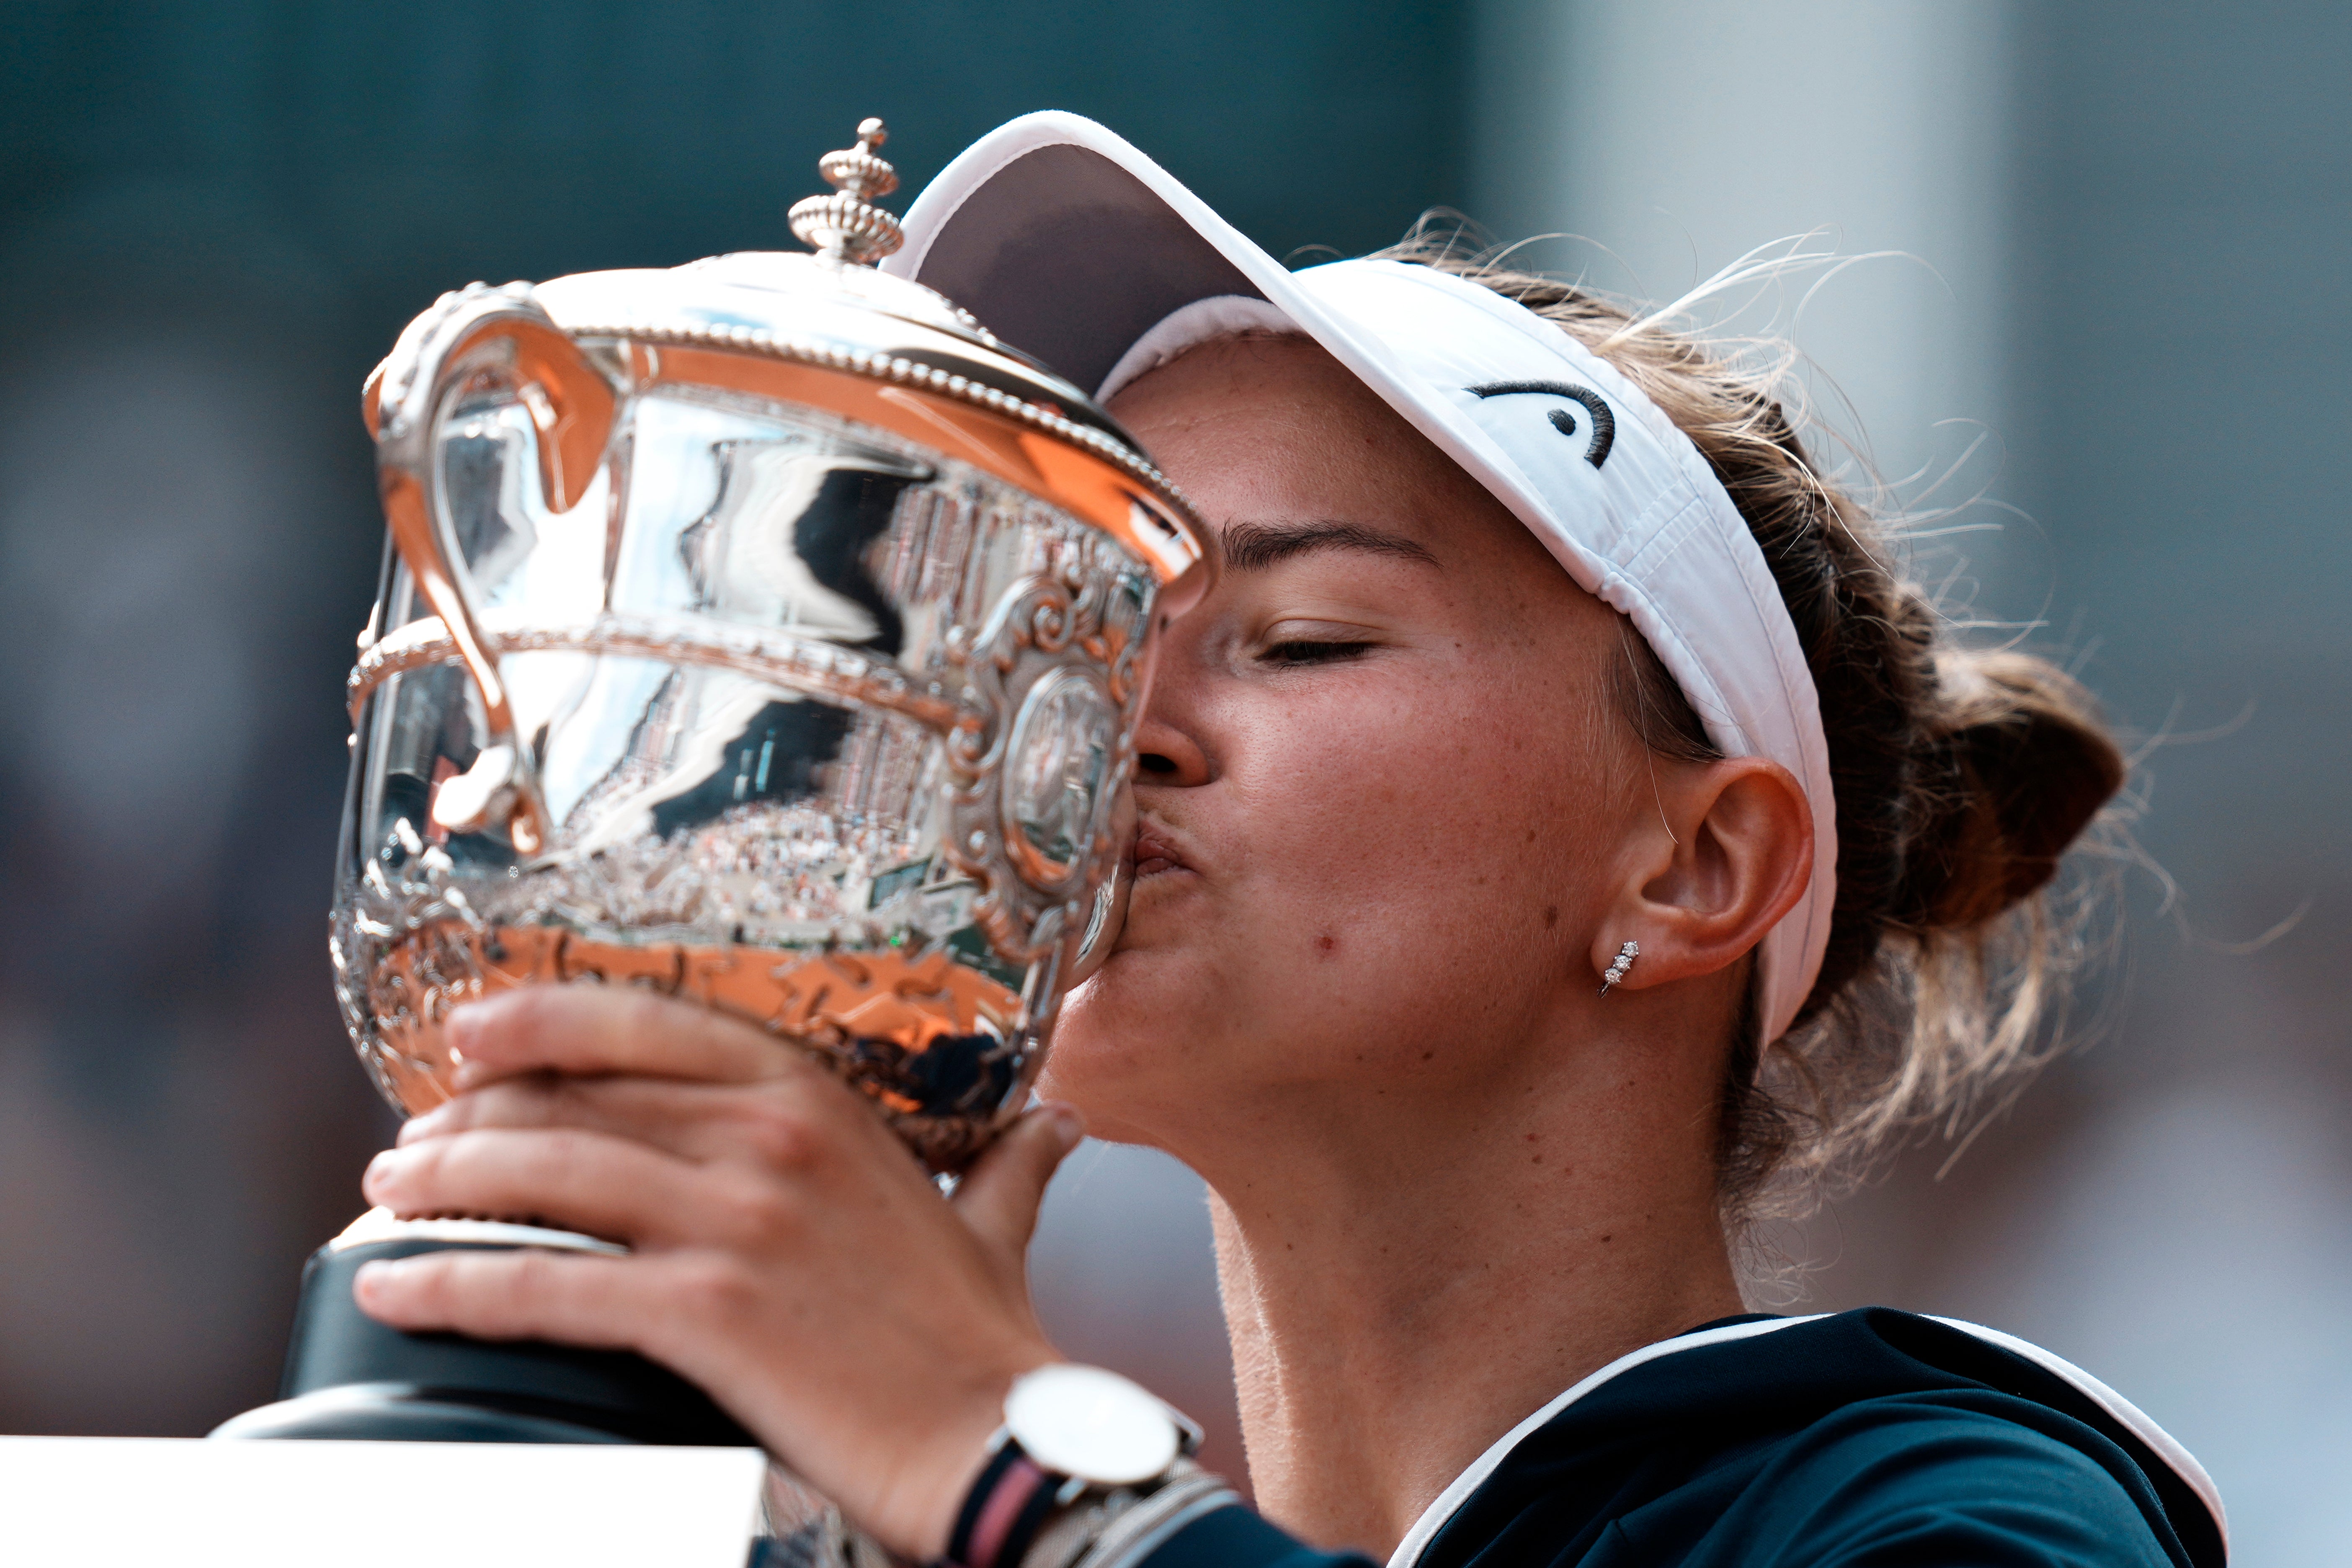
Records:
x=1156, y=851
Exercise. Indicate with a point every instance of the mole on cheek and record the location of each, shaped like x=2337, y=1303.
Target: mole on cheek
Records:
x=1551, y=916
x=1326, y=944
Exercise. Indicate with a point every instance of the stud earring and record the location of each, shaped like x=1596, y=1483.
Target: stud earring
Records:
x=1617, y=968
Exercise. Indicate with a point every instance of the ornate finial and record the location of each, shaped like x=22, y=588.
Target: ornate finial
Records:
x=847, y=226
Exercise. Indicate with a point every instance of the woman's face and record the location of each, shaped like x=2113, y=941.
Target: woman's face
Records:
x=1380, y=774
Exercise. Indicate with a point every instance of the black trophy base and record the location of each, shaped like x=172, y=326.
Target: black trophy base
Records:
x=349, y=1376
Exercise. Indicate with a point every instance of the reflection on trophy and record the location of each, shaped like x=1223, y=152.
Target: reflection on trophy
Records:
x=762, y=632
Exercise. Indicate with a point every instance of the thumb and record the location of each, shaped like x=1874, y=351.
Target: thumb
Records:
x=1000, y=1198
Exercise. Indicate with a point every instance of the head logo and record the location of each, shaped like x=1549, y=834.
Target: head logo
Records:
x=1604, y=423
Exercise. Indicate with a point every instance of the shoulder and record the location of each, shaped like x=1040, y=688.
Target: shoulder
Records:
x=1921, y=1479
x=1864, y=1436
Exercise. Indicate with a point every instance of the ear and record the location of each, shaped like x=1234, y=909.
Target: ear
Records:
x=1730, y=851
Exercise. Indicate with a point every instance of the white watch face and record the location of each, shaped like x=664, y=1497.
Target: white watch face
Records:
x=1083, y=1421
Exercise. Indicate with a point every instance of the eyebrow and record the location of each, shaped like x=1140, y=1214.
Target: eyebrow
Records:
x=1255, y=546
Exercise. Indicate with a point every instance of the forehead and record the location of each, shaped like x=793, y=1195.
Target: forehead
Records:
x=1260, y=427
x=1256, y=391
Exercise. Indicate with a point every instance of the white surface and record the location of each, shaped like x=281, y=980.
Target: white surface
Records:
x=100, y=1502
x=1083, y=1421
x=378, y=1225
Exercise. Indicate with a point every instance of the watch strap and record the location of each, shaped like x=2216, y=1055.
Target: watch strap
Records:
x=1123, y=1527
x=1008, y=1504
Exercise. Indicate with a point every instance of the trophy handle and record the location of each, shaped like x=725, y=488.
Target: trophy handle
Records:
x=478, y=333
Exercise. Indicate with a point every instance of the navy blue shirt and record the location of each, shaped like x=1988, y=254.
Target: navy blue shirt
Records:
x=1870, y=1440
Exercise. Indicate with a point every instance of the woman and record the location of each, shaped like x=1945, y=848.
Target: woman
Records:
x=1557, y=825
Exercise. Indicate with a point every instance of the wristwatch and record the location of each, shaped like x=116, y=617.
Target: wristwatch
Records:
x=1070, y=1432
x=1089, y=1425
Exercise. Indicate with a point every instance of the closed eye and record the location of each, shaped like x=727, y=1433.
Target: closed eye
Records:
x=1303, y=652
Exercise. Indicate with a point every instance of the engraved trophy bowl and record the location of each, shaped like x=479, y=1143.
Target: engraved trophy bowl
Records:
x=762, y=632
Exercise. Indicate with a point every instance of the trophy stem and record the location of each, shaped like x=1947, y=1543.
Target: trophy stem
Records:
x=349, y=1376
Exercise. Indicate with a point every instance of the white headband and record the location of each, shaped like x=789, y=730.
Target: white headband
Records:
x=1072, y=244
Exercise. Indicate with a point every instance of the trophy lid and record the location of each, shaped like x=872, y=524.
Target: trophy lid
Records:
x=830, y=296
x=831, y=312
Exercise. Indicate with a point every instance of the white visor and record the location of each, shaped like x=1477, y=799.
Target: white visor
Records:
x=1076, y=248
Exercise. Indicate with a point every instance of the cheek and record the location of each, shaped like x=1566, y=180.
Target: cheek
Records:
x=1419, y=805
x=1411, y=856
x=1404, y=865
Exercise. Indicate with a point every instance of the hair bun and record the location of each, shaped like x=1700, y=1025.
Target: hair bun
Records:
x=2024, y=765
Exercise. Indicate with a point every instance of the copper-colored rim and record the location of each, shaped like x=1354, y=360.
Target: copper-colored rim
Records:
x=1093, y=476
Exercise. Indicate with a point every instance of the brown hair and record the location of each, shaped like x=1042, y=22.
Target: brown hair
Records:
x=1962, y=776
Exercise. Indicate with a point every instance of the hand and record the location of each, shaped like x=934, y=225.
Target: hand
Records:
x=788, y=1254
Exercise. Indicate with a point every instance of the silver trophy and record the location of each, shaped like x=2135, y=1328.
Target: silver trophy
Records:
x=762, y=632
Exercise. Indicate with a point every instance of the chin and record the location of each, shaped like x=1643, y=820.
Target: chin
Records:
x=1126, y=1045
x=1113, y=1109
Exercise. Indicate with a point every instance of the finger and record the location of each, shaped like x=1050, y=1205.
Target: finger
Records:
x=529, y=1293
x=694, y=1313
x=693, y=1121
x=778, y=1126
x=592, y=1029
x=588, y=1182
x=1000, y=1196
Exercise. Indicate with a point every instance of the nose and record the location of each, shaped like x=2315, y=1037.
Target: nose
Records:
x=1168, y=749
x=1165, y=755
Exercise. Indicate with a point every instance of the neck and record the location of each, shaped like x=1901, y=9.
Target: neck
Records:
x=1403, y=1290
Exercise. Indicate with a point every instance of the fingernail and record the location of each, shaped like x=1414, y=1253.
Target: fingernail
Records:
x=465, y=1022
x=1069, y=1126
x=380, y=1170
x=373, y=1279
